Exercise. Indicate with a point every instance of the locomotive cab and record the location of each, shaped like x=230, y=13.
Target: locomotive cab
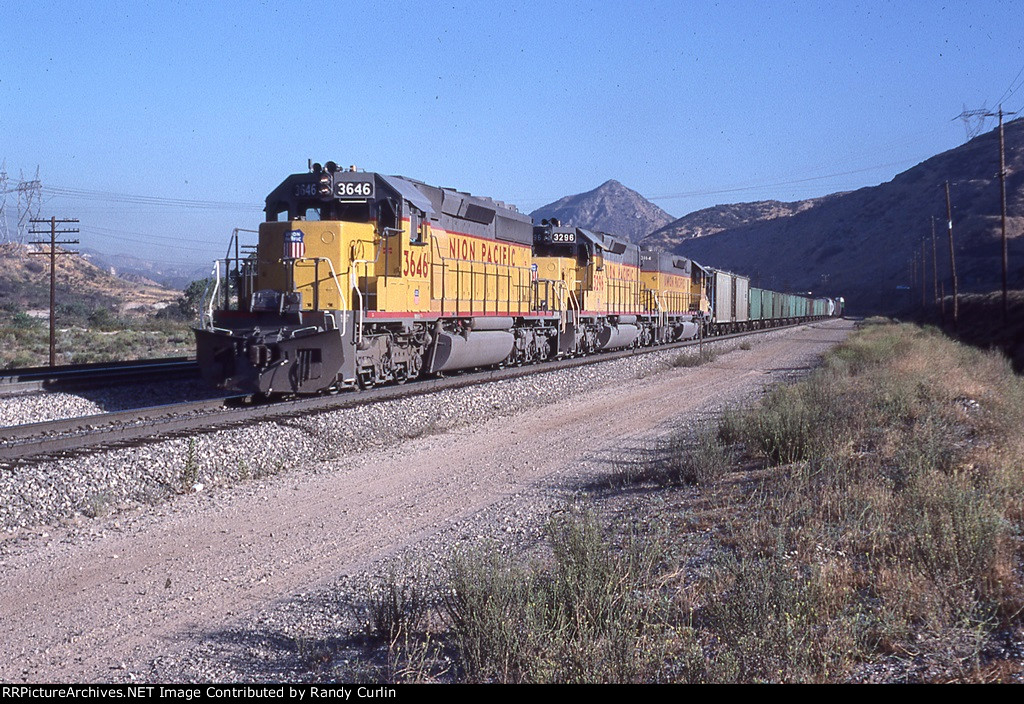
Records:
x=328, y=237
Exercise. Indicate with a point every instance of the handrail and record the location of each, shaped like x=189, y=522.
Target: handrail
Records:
x=234, y=239
x=213, y=297
x=456, y=269
x=662, y=313
x=354, y=282
x=575, y=303
x=334, y=275
x=566, y=303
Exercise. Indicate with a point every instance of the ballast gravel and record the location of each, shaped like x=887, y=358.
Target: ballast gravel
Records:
x=42, y=406
x=96, y=485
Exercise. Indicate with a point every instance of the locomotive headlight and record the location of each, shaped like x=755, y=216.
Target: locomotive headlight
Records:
x=323, y=188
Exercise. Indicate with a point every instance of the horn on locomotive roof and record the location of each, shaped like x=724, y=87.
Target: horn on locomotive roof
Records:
x=331, y=167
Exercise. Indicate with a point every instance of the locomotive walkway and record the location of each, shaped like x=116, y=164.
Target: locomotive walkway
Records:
x=119, y=604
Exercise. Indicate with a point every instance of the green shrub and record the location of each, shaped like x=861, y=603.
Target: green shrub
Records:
x=586, y=619
x=689, y=359
x=397, y=607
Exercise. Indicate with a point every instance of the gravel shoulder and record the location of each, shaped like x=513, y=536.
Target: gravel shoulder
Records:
x=199, y=586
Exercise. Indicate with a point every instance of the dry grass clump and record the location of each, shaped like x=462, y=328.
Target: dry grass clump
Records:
x=588, y=614
x=686, y=457
x=586, y=617
x=691, y=359
x=888, y=527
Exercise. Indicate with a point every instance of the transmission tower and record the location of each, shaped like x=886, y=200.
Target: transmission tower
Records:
x=30, y=201
x=974, y=121
x=4, y=234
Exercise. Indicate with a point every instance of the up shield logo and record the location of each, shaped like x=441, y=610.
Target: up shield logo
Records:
x=294, y=244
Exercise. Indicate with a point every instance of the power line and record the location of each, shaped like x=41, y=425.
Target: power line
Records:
x=131, y=236
x=137, y=199
x=907, y=140
x=1010, y=90
x=689, y=194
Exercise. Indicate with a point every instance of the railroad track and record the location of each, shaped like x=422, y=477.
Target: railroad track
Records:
x=96, y=375
x=154, y=423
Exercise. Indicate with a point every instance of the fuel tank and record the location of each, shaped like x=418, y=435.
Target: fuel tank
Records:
x=612, y=336
x=478, y=348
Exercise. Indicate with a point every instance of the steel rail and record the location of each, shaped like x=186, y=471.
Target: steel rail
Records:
x=91, y=433
x=80, y=376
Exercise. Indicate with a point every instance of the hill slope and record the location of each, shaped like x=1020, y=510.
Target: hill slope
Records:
x=710, y=221
x=25, y=284
x=861, y=244
x=611, y=207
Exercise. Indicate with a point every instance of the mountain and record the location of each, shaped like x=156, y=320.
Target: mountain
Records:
x=144, y=271
x=611, y=207
x=861, y=244
x=723, y=217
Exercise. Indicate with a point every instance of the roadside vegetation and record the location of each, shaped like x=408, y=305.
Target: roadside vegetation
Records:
x=89, y=331
x=861, y=525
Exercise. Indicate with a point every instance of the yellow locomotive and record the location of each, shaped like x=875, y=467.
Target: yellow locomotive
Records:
x=360, y=279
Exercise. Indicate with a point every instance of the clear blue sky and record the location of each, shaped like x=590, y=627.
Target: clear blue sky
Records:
x=689, y=103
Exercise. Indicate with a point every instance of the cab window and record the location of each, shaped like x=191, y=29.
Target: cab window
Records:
x=415, y=226
x=387, y=215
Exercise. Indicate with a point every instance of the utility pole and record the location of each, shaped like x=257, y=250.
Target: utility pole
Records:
x=53, y=232
x=924, y=279
x=935, y=263
x=952, y=262
x=3, y=202
x=913, y=280
x=982, y=114
x=1002, y=202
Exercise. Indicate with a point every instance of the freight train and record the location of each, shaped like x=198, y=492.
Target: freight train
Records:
x=361, y=279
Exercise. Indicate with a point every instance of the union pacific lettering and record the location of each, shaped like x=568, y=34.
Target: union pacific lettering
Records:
x=673, y=281
x=472, y=249
x=622, y=272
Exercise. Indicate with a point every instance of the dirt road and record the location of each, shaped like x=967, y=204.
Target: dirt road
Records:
x=93, y=609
